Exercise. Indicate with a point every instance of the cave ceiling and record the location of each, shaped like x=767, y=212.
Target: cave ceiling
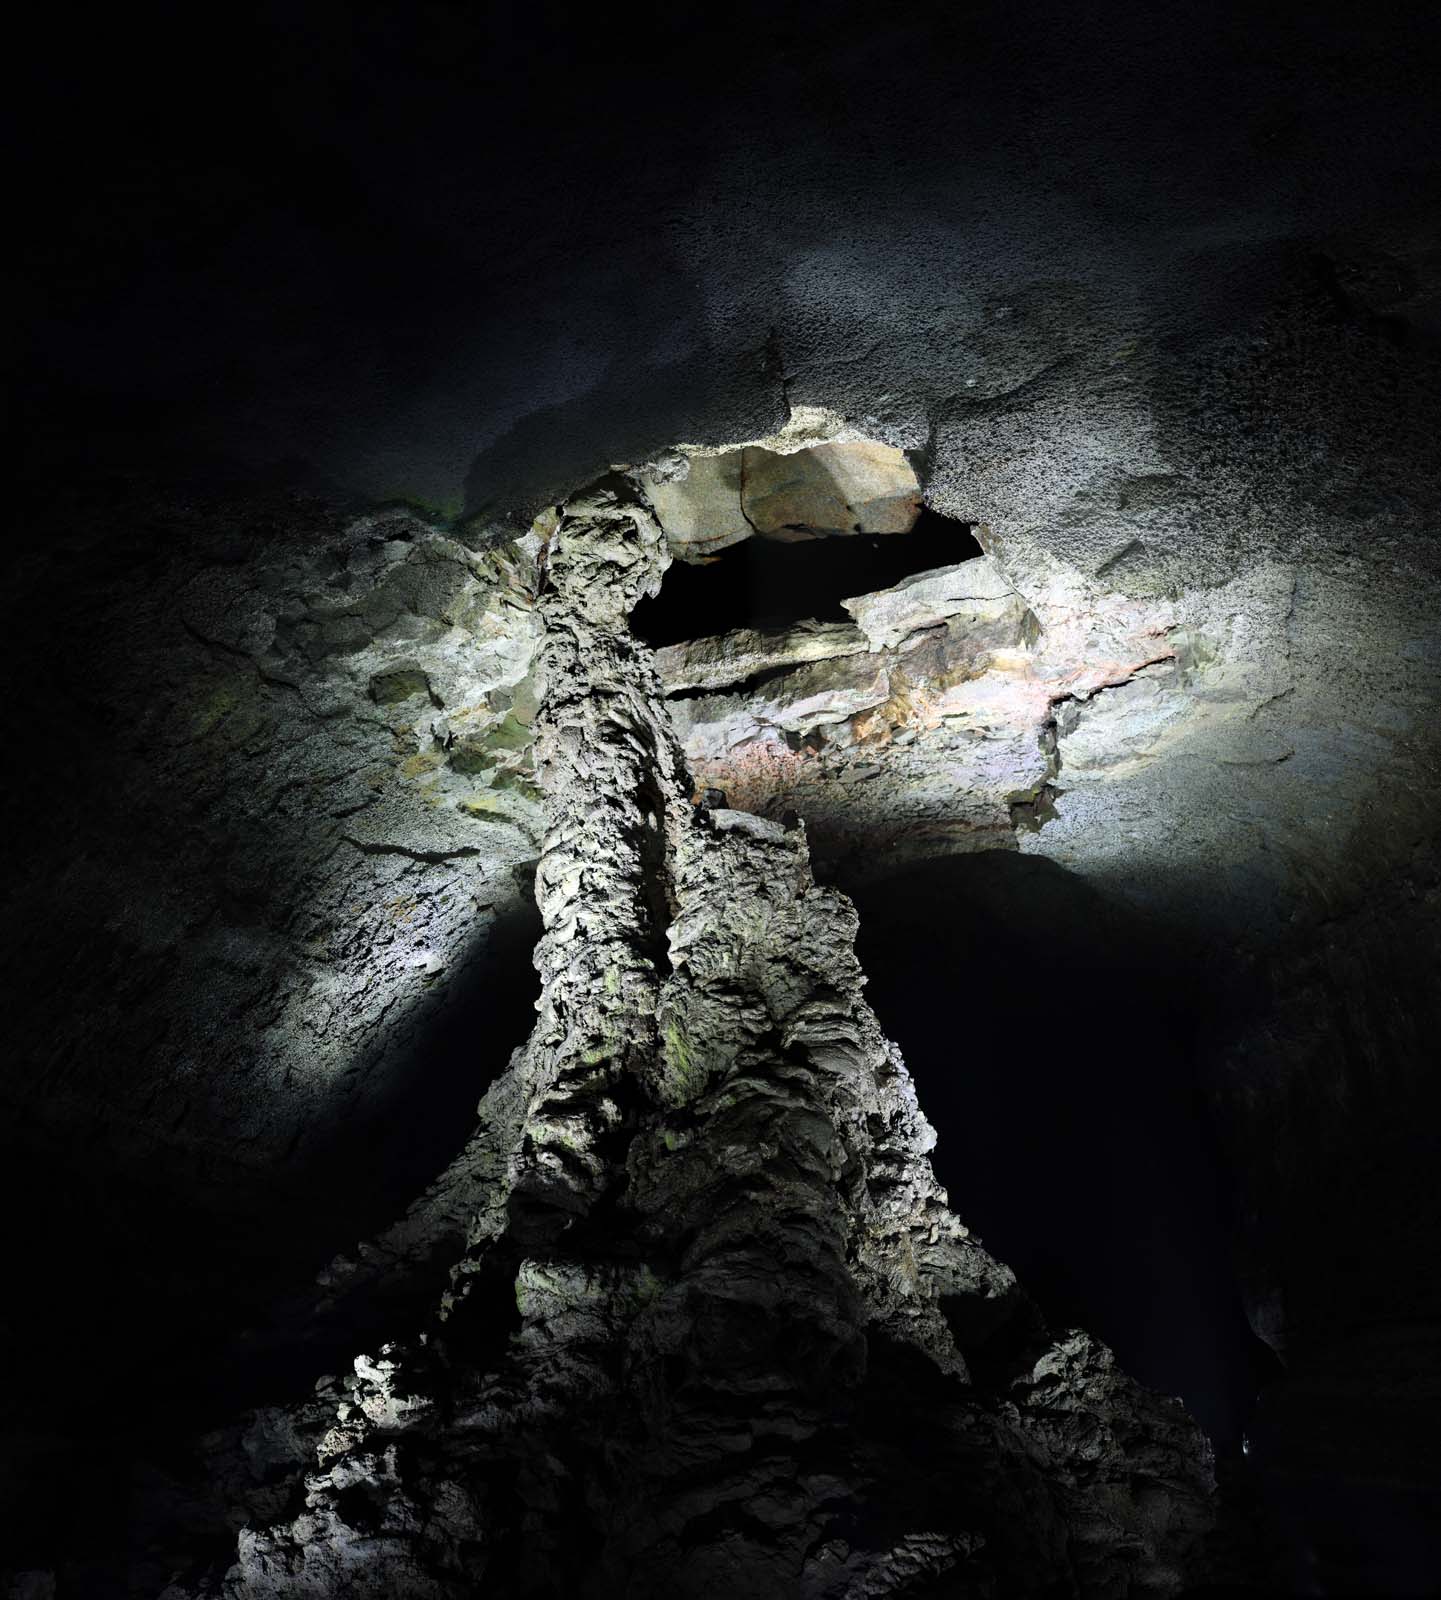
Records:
x=1103, y=352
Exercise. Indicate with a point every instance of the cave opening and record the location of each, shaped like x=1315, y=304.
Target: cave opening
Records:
x=769, y=584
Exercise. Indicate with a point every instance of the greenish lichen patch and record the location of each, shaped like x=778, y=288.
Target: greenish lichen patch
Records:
x=470, y=758
x=417, y=766
x=235, y=711
x=685, y=1076
x=502, y=751
x=215, y=708
x=1032, y=809
x=510, y=733
x=390, y=688
x=484, y=804
x=518, y=782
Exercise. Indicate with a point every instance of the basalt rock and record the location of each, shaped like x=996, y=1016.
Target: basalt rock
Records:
x=714, y=1329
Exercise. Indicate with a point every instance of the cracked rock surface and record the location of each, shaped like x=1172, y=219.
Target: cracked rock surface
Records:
x=1151, y=302
x=312, y=727
x=715, y=1327
x=341, y=753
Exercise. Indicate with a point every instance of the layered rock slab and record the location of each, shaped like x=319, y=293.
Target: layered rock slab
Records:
x=828, y=490
x=715, y=1328
x=913, y=728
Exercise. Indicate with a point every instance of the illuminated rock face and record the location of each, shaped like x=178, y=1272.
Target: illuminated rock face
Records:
x=826, y=490
x=1153, y=304
x=322, y=855
x=752, y=1350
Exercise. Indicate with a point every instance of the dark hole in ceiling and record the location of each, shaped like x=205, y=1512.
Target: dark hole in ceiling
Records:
x=1062, y=1088
x=766, y=584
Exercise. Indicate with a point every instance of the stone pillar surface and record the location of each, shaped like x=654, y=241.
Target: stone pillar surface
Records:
x=716, y=1330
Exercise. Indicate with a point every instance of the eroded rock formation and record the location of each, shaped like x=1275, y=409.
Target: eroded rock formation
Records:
x=715, y=1328
x=1152, y=306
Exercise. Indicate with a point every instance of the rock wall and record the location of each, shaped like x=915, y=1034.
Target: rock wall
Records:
x=716, y=1328
x=269, y=922
x=245, y=1009
x=1174, y=349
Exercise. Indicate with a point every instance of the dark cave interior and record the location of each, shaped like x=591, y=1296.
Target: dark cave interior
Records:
x=158, y=1301
x=770, y=583
x=1079, y=1035
x=1023, y=999
x=1084, y=1032
x=315, y=330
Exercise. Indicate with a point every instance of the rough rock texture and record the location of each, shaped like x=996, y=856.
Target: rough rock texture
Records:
x=310, y=728
x=807, y=492
x=934, y=723
x=1152, y=295
x=928, y=599
x=333, y=745
x=729, y=659
x=752, y=1349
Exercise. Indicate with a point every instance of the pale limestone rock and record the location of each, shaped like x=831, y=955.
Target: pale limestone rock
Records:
x=820, y=695
x=830, y=489
x=701, y=512
x=976, y=587
x=731, y=658
x=727, y=821
x=1121, y=726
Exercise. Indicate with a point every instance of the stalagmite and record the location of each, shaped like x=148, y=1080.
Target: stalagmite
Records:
x=716, y=1330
